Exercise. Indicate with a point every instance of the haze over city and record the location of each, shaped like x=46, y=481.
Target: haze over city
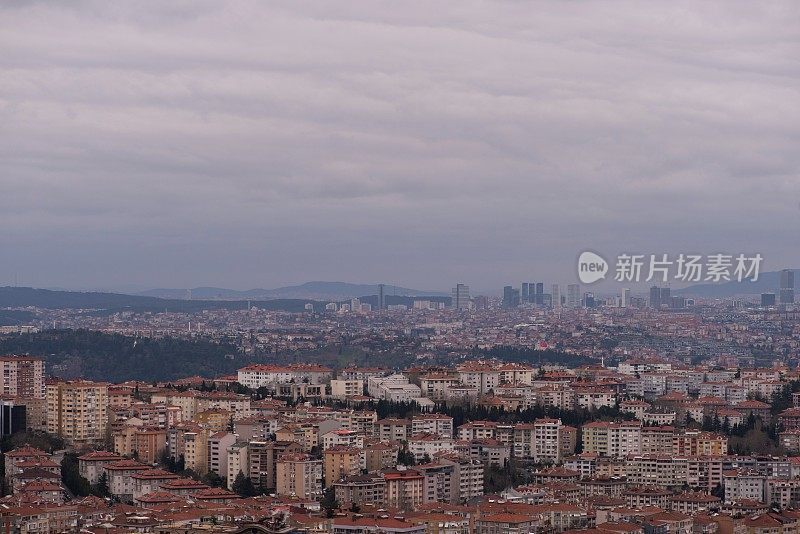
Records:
x=247, y=144
x=373, y=267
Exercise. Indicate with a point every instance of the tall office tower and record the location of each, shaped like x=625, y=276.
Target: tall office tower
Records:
x=381, y=297
x=625, y=297
x=787, y=286
x=665, y=296
x=526, y=292
x=510, y=297
x=22, y=376
x=655, y=297
x=555, y=293
x=767, y=299
x=588, y=300
x=76, y=411
x=540, y=293
x=12, y=418
x=460, y=297
x=573, y=296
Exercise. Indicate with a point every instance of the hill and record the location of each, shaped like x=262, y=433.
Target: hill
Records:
x=20, y=297
x=767, y=282
x=329, y=291
x=116, y=358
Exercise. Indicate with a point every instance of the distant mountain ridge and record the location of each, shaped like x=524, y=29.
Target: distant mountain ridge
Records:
x=21, y=297
x=768, y=282
x=309, y=290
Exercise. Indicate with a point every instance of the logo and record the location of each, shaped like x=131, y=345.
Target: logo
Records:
x=591, y=267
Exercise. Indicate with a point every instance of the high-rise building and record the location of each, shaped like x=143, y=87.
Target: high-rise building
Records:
x=381, y=297
x=460, y=297
x=573, y=296
x=12, y=417
x=666, y=296
x=539, y=298
x=555, y=293
x=299, y=475
x=22, y=376
x=787, y=287
x=481, y=302
x=525, y=296
x=625, y=297
x=655, y=297
x=76, y=411
x=767, y=299
x=510, y=297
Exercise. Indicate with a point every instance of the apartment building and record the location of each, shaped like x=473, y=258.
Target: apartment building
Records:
x=77, y=411
x=238, y=461
x=217, y=450
x=91, y=465
x=263, y=459
x=422, y=445
x=342, y=462
x=436, y=385
x=361, y=489
x=298, y=475
x=612, y=439
x=257, y=375
x=405, y=489
x=341, y=389
x=342, y=438
x=22, y=376
x=433, y=423
x=392, y=429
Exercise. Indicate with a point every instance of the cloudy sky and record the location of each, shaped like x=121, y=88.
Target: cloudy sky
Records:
x=259, y=144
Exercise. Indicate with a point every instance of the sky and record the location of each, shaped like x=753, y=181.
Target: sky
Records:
x=417, y=143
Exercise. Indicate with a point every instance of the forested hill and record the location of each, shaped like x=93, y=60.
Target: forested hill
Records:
x=19, y=297
x=116, y=358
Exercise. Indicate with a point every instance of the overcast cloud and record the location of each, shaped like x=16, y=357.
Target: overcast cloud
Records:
x=259, y=144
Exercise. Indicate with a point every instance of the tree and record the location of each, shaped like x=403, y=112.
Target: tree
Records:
x=72, y=478
x=243, y=486
x=101, y=488
x=213, y=479
x=405, y=457
x=329, y=502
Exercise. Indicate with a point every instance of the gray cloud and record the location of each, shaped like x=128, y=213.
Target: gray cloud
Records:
x=250, y=144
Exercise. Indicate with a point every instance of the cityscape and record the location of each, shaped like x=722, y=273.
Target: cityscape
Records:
x=367, y=267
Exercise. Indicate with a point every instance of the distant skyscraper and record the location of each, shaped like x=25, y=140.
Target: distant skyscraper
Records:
x=525, y=295
x=555, y=291
x=666, y=295
x=539, y=293
x=655, y=297
x=625, y=297
x=381, y=297
x=787, y=286
x=573, y=296
x=588, y=300
x=460, y=297
x=510, y=297
x=767, y=299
